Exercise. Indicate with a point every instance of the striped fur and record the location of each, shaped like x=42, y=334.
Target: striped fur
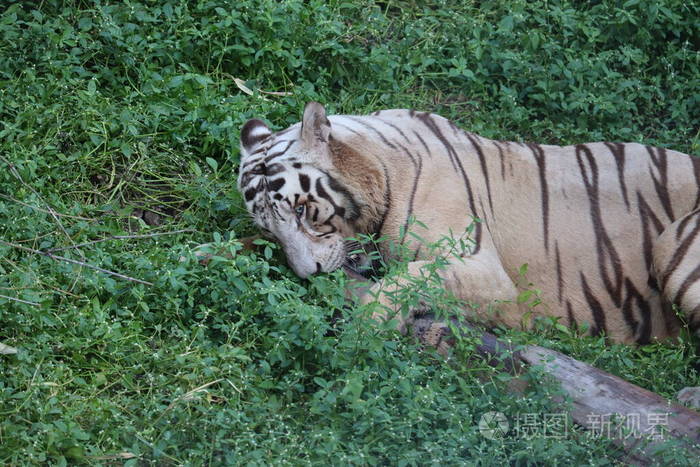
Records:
x=610, y=231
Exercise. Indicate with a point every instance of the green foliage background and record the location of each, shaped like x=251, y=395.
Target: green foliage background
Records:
x=112, y=109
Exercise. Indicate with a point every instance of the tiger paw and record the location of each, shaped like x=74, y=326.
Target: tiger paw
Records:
x=433, y=333
x=690, y=396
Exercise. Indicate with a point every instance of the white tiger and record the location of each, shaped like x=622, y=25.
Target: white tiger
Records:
x=610, y=231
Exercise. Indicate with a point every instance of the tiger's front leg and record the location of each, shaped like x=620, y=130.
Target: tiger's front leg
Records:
x=476, y=280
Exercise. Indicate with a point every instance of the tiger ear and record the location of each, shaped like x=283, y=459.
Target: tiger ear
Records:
x=252, y=133
x=315, y=127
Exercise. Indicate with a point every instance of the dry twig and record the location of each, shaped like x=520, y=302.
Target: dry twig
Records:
x=19, y=300
x=73, y=261
x=10, y=198
x=119, y=237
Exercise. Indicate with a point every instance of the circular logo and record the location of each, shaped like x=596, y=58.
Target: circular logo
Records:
x=493, y=425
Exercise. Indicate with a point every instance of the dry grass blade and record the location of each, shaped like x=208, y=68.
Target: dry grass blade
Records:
x=119, y=455
x=7, y=350
x=241, y=85
x=188, y=396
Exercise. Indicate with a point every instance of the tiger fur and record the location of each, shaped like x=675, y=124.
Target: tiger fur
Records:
x=610, y=231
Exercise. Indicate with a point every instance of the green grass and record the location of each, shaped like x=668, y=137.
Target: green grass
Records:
x=110, y=110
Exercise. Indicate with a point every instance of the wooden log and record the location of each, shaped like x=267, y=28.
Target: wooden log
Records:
x=596, y=395
x=602, y=403
x=637, y=420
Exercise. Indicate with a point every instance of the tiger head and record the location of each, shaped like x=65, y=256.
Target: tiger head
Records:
x=299, y=194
